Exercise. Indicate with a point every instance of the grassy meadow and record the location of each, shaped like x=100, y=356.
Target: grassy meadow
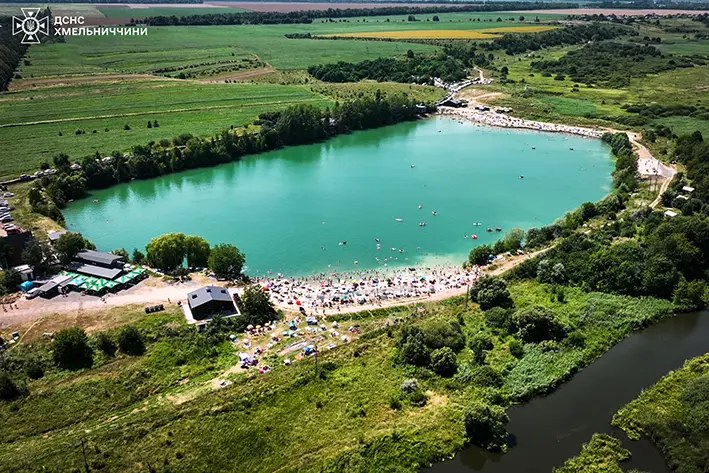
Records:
x=164, y=409
x=38, y=124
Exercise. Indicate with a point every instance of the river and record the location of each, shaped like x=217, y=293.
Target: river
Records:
x=291, y=210
x=548, y=430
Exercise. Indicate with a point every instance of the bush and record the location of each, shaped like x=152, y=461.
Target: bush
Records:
x=418, y=399
x=484, y=376
x=9, y=390
x=499, y=318
x=131, y=342
x=412, y=347
x=71, y=349
x=410, y=386
x=34, y=368
x=490, y=291
x=576, y=339
x=516, y=348
x=485, y=425
x=537, y=323
x=438, y=334
x=105, y=343
x=479, y=344
x=444, y=362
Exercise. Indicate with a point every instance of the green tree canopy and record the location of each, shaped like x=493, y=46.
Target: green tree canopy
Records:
x=256, y=306
x=226, y=261
x=444, y=362
x=71, y=349
x=166, y=252
x=537, y=323
x=485, y=425
x=491, y=291
x=69, y=245
x=197, y=251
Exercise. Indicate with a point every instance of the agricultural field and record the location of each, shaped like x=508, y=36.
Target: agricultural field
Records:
x=487, y=33
x=38, y=124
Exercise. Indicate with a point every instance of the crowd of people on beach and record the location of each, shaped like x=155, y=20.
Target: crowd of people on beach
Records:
x=332, y=293
x=492, y=118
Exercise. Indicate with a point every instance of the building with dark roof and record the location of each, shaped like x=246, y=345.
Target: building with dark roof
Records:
x=96, y=258
x=208, y=301
x=98, y=271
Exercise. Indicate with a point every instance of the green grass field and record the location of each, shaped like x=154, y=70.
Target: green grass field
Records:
x=30, y=121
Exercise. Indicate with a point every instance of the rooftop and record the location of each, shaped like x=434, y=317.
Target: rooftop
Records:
x=207, y=294
x=98, y=271
x=98, y=257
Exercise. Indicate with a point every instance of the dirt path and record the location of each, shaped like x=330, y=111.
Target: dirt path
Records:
x=29, y=84
x=242, y=75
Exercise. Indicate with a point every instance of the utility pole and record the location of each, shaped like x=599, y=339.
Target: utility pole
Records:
x=316, y=361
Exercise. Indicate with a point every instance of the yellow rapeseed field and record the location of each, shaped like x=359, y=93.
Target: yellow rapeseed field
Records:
x=488, y=33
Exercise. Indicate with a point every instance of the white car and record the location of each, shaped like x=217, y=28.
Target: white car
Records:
x=32, y=293
x=8, y=194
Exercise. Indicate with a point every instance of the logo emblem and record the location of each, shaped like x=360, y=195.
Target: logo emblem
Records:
x=30, y=25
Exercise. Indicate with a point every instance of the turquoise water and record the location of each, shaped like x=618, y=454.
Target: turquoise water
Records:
x=289, y=210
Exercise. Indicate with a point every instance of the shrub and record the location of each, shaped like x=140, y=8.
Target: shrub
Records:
x=9, y=390
x=105, y=343
x=34, y=368
x=71, y=349
x=409, y=386
x=537, y=323
x=395, y=402
x=418, y=399
x=438, y=334
x=479, y=344
x=490, y=291
x=483, y=376
x=412, y=347
x=126, y=127
x=576, y=339
x=444, y=362
x=499, y=318
x=516, y=348
x=131, y=342
x=485, y=425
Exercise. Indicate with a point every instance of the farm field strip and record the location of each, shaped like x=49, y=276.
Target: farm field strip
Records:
x=445, y=34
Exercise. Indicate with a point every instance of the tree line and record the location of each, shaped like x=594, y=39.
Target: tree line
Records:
x=11, y=52
x=307, y=16
x=298, y=124
x=644, y=253
x=418, y=68
x=517, y=43
x=611, y=64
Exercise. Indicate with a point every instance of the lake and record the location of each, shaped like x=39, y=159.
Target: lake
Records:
x=291, y=210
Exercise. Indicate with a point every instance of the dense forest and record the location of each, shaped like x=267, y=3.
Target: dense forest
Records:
x=611, y=64
x=421, y=68
x=11, y=52
x=307, y=16
x=641, y=254
x=295, y=125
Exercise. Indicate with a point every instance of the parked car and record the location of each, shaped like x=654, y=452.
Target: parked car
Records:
x=32, y=293
x=38, y=174
x=8, y=194
x=50, y=171
x=25, y=177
